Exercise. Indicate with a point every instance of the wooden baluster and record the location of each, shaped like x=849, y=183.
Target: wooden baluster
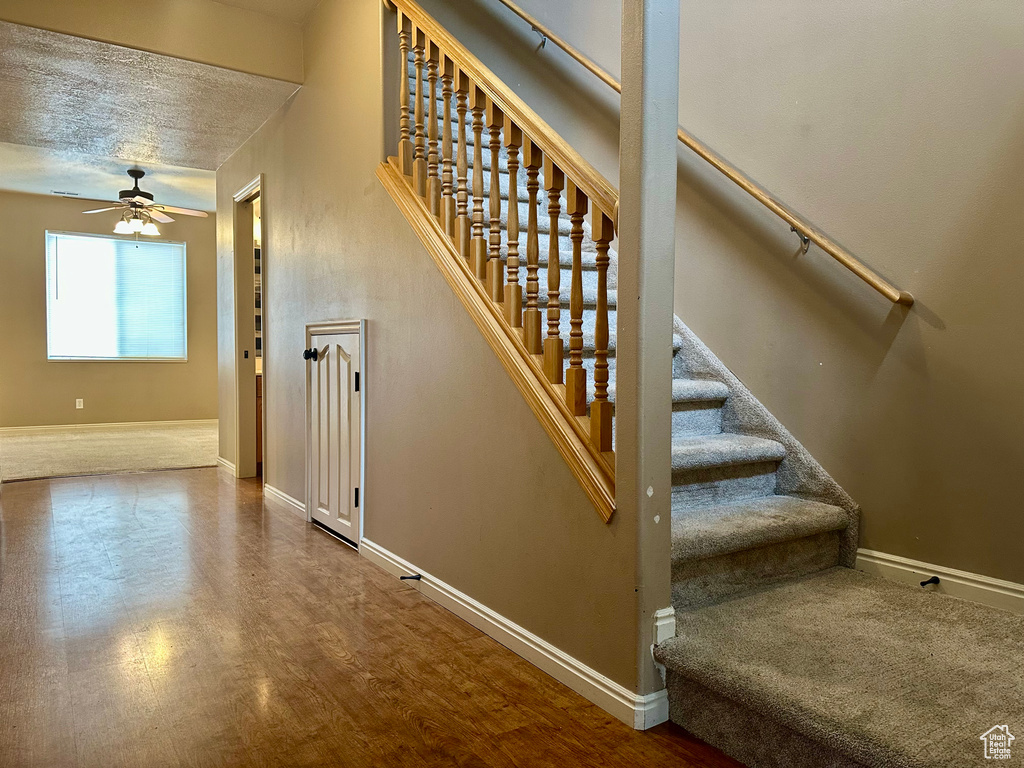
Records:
x=495, y=271
x=463, y=225
x=433, y=157
x=602, y=232
x=478, y=245
x=554, y=182
x=532, y=159
x=447, y=195
x=419, y=162
x=404, y=143
x=513, y=290
x=576, y=376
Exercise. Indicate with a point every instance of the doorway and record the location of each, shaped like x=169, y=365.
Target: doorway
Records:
x=249, y=235
x=335, y=427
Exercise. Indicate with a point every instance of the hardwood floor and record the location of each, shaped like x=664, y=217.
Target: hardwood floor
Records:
x=172, y=618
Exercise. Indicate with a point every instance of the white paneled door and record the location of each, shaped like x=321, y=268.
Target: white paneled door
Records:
x=334, y=427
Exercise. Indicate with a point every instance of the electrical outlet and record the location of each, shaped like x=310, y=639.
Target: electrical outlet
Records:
x=79, y=403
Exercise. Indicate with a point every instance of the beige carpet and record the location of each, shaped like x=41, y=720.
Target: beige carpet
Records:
x=106, y=449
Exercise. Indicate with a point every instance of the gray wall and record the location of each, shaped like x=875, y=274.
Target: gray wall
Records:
x=461, y=479
x=898, y=127
x=35, y=391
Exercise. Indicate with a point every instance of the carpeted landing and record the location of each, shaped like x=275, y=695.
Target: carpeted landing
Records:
x=106, y=449
x=839, y=668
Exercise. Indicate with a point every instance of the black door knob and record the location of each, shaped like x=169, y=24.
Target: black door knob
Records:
x=310, y=354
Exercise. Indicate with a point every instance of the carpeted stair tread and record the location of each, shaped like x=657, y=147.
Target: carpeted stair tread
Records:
x=691, y=390
x=703, y=532
x=698, y=390
x=588, y=260
x=723, y=450
x=589, y=346
x=887, y=675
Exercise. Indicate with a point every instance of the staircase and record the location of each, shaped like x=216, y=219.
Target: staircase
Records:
x=784, y=657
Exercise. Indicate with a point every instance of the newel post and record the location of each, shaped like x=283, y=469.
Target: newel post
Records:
x=646, y=247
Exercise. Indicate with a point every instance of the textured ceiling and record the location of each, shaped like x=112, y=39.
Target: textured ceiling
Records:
x=48, y=171
x=75, y=95
x=290, y=10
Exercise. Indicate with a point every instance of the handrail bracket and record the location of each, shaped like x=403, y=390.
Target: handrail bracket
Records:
x=805, y=240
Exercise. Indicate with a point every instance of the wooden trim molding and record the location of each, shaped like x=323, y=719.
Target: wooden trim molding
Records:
x=282, y=498
x=569, y=433
x=640, y=711
x=109, y=425
x=986, y=590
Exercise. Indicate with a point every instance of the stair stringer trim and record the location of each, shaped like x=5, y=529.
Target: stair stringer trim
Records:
x=569, y=433
x=799, y=473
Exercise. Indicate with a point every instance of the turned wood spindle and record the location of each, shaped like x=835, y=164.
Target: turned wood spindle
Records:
x=554, y=182
x=478, y=246
x=601, y=409
x=532, y=159
x=463, y=225
x=433, y=156
x=513, y=290
x=576, y=375
x=404, y=142
x=447, y=191
x=495, y=271
x=419, y=162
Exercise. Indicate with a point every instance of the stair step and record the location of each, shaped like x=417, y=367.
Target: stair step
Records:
x=845, y=669
x=588, y=260
x=697, y=407
x=723, y=450
x=703, y=532
x=691, y=390
x=522, y=195
x=698, y=391
x=543, y=227
x=589, y=280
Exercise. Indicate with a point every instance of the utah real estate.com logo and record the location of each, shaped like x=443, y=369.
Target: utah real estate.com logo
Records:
x=997, y=742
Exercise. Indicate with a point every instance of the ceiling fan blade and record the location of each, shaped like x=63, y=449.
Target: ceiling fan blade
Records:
x=182, y=211
x=141, y=200
x=103, y=210
x=160, y=216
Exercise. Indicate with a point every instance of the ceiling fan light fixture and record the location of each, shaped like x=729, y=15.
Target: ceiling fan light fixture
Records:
x=149, y=228
x=136, y=223
x=122, y=228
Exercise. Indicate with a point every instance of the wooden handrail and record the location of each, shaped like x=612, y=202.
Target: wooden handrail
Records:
x=600, y=191
x=803, y=227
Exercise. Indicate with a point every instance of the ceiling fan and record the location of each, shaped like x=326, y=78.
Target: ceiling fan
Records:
x=140, y=211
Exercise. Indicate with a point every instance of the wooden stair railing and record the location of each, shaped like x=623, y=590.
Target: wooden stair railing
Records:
x=466, y=244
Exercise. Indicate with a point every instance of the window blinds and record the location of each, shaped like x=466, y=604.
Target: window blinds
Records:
x=111, y=298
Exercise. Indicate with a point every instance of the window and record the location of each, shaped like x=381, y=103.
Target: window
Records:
x=110, y=298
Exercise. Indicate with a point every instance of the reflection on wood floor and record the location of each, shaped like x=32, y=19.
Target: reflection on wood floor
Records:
x=171, y=618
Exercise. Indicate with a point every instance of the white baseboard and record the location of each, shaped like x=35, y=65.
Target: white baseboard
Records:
x=637, y=711
x=970, y=586
x=293, y=504
x=110, y=425
x=228, y=465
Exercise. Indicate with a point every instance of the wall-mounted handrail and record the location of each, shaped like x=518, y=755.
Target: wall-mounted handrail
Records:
x=803, y=227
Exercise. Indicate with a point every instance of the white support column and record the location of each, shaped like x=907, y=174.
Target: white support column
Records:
x=646, y=246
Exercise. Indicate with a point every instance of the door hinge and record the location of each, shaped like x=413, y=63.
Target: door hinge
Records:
x=357, y=381
x=357, y=497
